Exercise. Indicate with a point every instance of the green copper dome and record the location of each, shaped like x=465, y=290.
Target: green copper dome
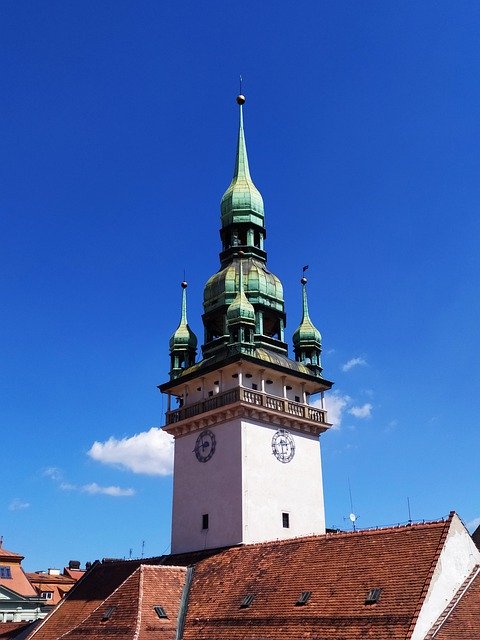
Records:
x=242, y=201
x=183, y=338
x=262, y=286
x=306, y=335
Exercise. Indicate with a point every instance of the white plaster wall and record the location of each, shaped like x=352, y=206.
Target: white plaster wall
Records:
x=457, y=559
x=271, y=487
x=213, y=487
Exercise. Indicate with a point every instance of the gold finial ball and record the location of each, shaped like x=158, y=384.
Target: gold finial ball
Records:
x=184, y=284
x=303, y=280
x=241, y=99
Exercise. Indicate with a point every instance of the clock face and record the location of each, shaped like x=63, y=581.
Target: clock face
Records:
x=205, y=446
x=283, y=446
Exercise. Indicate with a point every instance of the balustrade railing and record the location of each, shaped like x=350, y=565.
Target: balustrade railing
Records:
x=281, y=405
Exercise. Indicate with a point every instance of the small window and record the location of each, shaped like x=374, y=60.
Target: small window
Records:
x=47, y=595
x=297, y=398
x=304, y=598
x=269, y=381
x=205, y=521
x=5, y=572
x=286, y=520
x=373, y=596
x=247, y=601
x=248, y=375
x=210, y=394
x=160, y=611
x=107, y=614
x=254, y=386
x=288, y=387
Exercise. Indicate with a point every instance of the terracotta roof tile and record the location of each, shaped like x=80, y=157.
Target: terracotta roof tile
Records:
x=86, y=595
x=127, y=611
x=18, y=581
x=338, y=569
x=9, y=630
x=10, y=555
x=462, y=620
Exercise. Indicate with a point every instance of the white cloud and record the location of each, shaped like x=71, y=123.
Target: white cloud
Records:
x=53, y=472
x=18, y=505
x=473, y=524
x=108, y=491
x=335, y=404
x=149, y=452
x=93, y=488
x=353, y=362
x=365, y=411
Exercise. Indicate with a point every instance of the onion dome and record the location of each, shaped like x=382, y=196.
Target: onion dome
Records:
x=183, y=343
x=242, y=201
x=262, y=285
x=307, y=341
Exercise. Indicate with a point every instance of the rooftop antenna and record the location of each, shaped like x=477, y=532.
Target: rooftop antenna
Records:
x=409, y=512
x=143, y=547
x=130, y=551
x=1, y=542
x=352, y=516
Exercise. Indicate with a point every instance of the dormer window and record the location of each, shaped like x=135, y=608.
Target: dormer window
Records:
x=247, y=601
x=373, y=596
x=5, y=572
x=107, y=614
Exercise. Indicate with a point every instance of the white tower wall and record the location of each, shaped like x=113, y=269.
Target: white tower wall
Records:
x=244, y=488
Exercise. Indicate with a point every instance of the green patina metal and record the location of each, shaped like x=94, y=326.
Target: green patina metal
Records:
x=240, y=310
x=242, y=201
x=243, y=302
x=183, y=342
x=262, y=286
x=307, y=341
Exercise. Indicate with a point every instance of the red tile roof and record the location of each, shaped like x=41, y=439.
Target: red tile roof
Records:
x=461, y=620
x=338, y=569
x=8, y=630
x=128, y=592
x=18, y=581
x=76, y=574
x=11, y=556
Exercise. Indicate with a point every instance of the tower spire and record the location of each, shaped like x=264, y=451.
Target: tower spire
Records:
x=307, y=341
x=183, y=343
x=242, y=204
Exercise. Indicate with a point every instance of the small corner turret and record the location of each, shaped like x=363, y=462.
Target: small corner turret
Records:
x=241, y=319
x=307, y=341
x=183, y=343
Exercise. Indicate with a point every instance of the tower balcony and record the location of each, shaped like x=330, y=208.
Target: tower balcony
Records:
x=269, y=408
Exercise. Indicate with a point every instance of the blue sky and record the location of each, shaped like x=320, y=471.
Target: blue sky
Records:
x=118, y=125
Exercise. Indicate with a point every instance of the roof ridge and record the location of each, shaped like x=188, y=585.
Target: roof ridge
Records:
x=357, y=532
x=461, y=591
x=163, y=566
x=429, y=576
x=138, y=626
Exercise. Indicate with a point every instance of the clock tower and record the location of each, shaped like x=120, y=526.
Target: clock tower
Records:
x=247, y=453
